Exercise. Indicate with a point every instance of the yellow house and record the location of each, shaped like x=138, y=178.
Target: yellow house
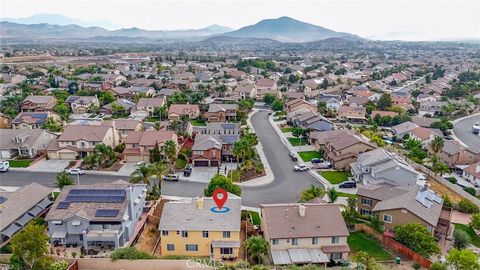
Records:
x=195, y=227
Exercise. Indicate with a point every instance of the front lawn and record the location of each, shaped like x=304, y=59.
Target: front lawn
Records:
x=198, y=122
x=309, y=155
x=20, y=163
x=152, y=119
x=287, y=129
x=350, y=195
x=297, y=141
x=336, y=177
x=234, y=175
x=473, y=236
x=359, y=241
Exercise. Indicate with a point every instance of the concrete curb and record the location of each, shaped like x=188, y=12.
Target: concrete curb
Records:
x=458, y=120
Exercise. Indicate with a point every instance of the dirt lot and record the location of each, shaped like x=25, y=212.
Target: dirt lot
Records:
x=443, y=190
x=150, y=234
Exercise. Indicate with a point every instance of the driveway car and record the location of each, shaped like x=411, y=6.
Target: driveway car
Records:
x=316, y=160
x=293, y=156
x=171, y=177
x=188, y=170
x=325, y=165
x=300, y=168
x=75, y=171
x=348, y=184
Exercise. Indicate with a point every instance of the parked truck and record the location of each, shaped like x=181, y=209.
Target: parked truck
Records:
x=476, y=128
x=4, y=165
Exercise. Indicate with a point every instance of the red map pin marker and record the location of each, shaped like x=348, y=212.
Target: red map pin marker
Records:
x=220, y=196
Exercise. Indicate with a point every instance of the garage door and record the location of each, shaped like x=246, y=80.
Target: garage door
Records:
x=214, y=163
x=67, y=155
x=200, y=163
x=132, y=158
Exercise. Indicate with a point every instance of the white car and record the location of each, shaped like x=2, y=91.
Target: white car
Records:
x=325, y=165
x=140, y=163
x=300, y=168
x=75, y=171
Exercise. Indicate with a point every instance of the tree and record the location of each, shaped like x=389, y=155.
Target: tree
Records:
x=158, y=169
x=332, y=195
x=350, y=214
x=464, y=259
x=311, y=193
x=277, y=105
x=384, y=102
x=416, y=237
x=52, y=125
x=438, y=266
x=368, y=262
x=246, y=104
x=475, y=221
x=64, y=179
x=155, y=155
x=221, y=181
x=62, y=110
x=141, y=175
x=170, y=150
x=466, y=206
x=461, y=239
x=30, y=244
x=375, y=223
x=256, y=247
x=324, y=84
x=59, y=265
x=268, y=98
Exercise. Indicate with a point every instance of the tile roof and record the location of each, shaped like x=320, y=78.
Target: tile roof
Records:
x=150, y=137
x=91, y=134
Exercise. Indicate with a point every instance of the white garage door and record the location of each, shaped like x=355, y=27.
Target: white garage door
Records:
x=67, y=155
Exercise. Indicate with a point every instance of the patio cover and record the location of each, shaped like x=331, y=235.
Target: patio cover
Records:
x=23, y=220
x=281, y=257
x=59, y=234
x=218, y=243
x=10, y=230
x=35, y=211
x=44, y=203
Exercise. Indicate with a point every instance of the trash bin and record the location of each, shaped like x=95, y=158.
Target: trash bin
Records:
x=397, y=260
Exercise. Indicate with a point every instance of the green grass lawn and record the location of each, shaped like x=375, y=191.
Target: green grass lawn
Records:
x=180, y=164
x=336, y=177
x=297, y=141
x=234, y=175
x=287, y=129
x=196, y=122
x=255, y=217
x=309, y=155
x=152, y=119
x=473, y=236
x=359, y=241
x=343, y=194
x=21, y=163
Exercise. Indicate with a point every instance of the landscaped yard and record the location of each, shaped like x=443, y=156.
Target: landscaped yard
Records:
x=335, y=177
x=287, y=129
x=255, y=217
x=152, y=119
x=473, y=236
x=180, y=164
x=359, y=241
x=198, y=122
x=234, y=175
x=309, y=155
x=297, y=141
x=343, y=194
x=20, y=163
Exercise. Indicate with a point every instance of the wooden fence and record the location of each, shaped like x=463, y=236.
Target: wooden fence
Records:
x=73, y=266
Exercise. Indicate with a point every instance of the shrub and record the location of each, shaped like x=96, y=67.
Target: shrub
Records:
x=59, y=265
x=129, y=253
x=461, y=239
x=452, y=180
x=438, y=266
x=446, y=201
x=470, y=190
x=466, y=206
x=416, y=266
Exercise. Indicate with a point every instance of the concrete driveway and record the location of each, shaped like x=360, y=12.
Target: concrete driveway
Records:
x=49, y=165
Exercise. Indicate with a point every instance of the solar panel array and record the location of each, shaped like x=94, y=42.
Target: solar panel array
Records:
x=96, y=195
x=106, y=213
x=63, y=205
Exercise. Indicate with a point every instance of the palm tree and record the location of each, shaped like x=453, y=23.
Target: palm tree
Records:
x=311, y=193
x=238, y=151
x=256, y=247
x=141, y=175
x=332, y=195
x=158, y=169
x=170, y=150
x=437, y=144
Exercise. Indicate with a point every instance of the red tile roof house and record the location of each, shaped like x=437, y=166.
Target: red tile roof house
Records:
x=177, y=110
x=139, y=143
x=221, y=112
x=304, y=233
x=38, y=103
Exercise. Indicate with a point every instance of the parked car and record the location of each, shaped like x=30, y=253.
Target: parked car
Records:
x=325, y=165
x=4, y=166
x=293, y=156
x=348, y=184
x=75, y=171
x=316, y=160
x=140, y=163
x=300, y=168
x=188, y=170
x=171, y=177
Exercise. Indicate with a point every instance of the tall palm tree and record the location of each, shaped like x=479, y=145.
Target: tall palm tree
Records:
x=170, y=150
x=158, y=169
x=141, y=175
x=311, y=193
x=332, y=195
x=437, y=144
x=256, y=247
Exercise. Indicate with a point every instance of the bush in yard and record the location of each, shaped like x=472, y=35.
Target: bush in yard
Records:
x=470, y=190
x=438, y=266
x=464, y=259
x=461, y=239
x=466, y=206
x=221, y=181
x=475, y=221
x=129, y=253
x=416, y=237
x=416, y=266
x=59, y=265
x=452, y=180
x=446, y=201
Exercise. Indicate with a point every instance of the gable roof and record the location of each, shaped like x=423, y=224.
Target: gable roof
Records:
x=90, y=134
x=150, y=137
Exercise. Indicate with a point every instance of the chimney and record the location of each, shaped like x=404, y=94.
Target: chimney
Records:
x=301, y=209
x=200, y=203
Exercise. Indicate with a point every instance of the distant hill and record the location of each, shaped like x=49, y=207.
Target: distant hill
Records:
x=286, y=29
x=57, y=19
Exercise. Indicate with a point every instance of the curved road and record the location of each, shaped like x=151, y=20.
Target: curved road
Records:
x=285, y=188
x=463, y=131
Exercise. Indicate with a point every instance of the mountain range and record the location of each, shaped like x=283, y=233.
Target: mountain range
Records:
x=283, y=29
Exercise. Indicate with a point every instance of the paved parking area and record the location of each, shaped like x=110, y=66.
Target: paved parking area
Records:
x=204, y=174
x=127, y=169
x=49, y=165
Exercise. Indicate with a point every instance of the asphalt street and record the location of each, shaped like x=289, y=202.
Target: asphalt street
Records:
x=22, y=178
x=463, y=131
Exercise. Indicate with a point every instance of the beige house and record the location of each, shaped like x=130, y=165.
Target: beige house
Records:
x=453, y=153
x=139, y=143
x=176, y=111
x=81, y=104
x=150, y=104
x=350, y=113
x=304, y=233
x=299, y=104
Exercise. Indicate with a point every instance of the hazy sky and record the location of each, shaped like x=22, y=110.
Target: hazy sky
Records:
x=419, y=20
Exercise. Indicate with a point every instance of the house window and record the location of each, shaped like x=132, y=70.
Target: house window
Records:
x=226, y=251
x=205, y=234
x=170, y=247
x=335, y=239
x=191, y=247
x=164, y=233
x=336, y=256
x=57, y=222
x=274, y=241
x=366, y=201
x=185, y=234
x=315, y=241
x=226, y=234
x=387, y=218
x=80, y=237
x=294, y=241
x=365, y=212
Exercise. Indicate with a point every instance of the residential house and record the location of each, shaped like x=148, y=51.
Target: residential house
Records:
x=95, y=215
x=139, y=143
x=401, y=99
x=333, y=102
x=196, y=227
x=472, y=173
x=311, y=120
x=397, y=206
x=78, y=141
x=38, y=103
x=245, y=91
x=431, y=108
x=423, y=121
x=221, y=112
x=425, y=135
x=304, y=233
x=149, y=105
x=380, y=166
x=130, y=92
x=353, y=114
x=122, y=106
x=82, y=104
x=299, y=104
x=30, y=120
x=265, y=86
x=402, y=129
x=24, y=142
x=211, y=149
x=453, y=153
x=21, y=206
x=124, y=126
x=177, y=110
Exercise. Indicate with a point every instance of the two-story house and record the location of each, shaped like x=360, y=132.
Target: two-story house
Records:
x=351, y=113
x=453, y=153
x=218, y=112
x=149, y=105
x=176, y=111
x=196, y=227
x=95, y=216
x=24, y=142
x=38, y=103
x=139, y=143
x=304, y=233
x=30, y=120
x=310, y=120
x=297, y=104
x=214, y=143
x=81, y=104
x=78, y=141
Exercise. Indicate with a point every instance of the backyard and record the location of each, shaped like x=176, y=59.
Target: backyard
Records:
x=359, y=241
x=297, y=141
x=473, y=236
x=20, y=163
x=336, y=177
x=309, y=155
